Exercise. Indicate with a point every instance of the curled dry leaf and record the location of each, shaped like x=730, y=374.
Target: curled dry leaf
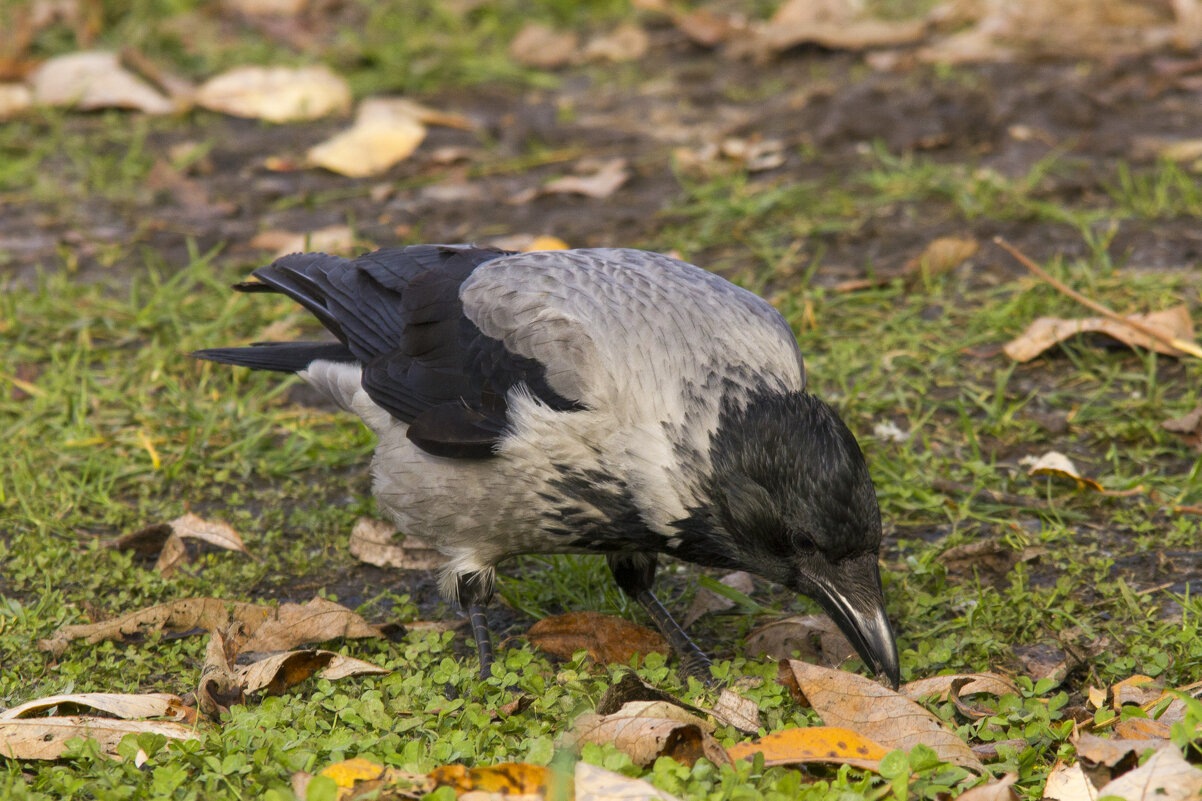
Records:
x=214, y=532
x=627, y=42
x=276, y=94
x=1068, y=783
x=1166, y=776
x=371, y=542
x=814, y=744
x=121, y=705
x=219, y=688
x=263, y=628
x=941, y=686
x=1188, y=427
x=815, y=637
x=278, y=672
x=1136, y=690
x=733, y=709
x=707, y=601
x=941, y=256
x=46, y=738
x=632, y=688
x=386, y=130
x=854, y=702
x=542, y=47
x=94, y=80
x=607, y=179
x=336, y=239
x=1001, y=790
x=592, y=783
x=607, y=639
x=647, y=730
x=1173, y=323
x=1104, y=759
x=837, y=24
x=1054, y=463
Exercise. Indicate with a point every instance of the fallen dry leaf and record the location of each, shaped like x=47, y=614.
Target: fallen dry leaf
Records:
x=941, y=256
x=707, y=601
x=814, y=744
x=647, y=730
x=1068, y=783
x=1054, y=463
x=815, y=637
x=507, y=778
x=539, y=46
x=46, y=738
x=941, y=686
x=335, y=239
x=705, y=28
x=608, y=639
x=14, y=98
x=592, y=783
x=836, y=24
x=1142, y=729
x=362, y=778
x=260, y=8
x=1001, y=790
x=121, y=705
x=371, y=542
x=1166, y=776
x=627, y=42
x=386, y=131
x=174, y=553
x=264, y=628
x=1103, y=760
x=276, y=94
x=854, y=702
x=94, y=80
x=1136, y=690
x=219, y=688
x=1174, y=323
x=278, y=672
x=607, y=178
x=1188, y=426
x=632, y=688
x=732, y=709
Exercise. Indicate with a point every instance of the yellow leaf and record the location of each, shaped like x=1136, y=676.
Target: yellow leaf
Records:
x=546, y=242
x=349, y=771
x=508, y=778
x=813, y=744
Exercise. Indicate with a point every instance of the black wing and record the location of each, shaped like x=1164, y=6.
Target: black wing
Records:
x=397, y=313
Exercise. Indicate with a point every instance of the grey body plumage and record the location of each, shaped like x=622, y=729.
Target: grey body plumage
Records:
x=599, y=401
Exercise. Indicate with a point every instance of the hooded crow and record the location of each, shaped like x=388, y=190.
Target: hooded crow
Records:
x=607, y=401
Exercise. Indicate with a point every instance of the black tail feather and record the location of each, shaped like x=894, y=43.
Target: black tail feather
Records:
x=281, y=357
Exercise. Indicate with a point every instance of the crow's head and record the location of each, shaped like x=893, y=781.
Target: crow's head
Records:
x=790, y=493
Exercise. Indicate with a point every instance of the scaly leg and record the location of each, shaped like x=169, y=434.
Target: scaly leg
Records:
x=635, y=574
x=473, y=597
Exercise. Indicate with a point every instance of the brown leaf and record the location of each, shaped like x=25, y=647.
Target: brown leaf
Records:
x=814, y=744
x=219, y=688
x=505, y=779
x=146, y=541
x=607, y=179
x=1103, y=760
x=1067, y=783
x=815, y=637
x=632, y=688
x=361, y=778
x=1054, y=463
x=1188, y=427
x=46, y=738
x=707, y=601
x=259, y=8
x=276, y=94
x=94, y=80
x=386, y=131
x=733, y=709
x=607, y=639
x=836, y=24
x=371, y=542
x=1045, y=332
x=627, y=42
x=1166, y=776
x=14, y=98
x=941, y=686
x=121, y=705
x=854, y=702
x=1136, y=690
x=541, y=47
x=336, y=239
x=266, y=628
x=1001, y=790
x=940, y=256
x=278, y=672
x=1142, y=729
x=175, y=554
x=647, y=730
x=705, y=28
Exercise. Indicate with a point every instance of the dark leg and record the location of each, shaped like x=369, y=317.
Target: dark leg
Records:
x=635, y=574
x=475, y=591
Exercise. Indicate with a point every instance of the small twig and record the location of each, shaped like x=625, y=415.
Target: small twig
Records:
x=1187, y=510
x=1004, y=498
x=1173, y=342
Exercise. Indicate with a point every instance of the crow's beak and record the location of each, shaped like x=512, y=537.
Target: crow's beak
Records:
x=857, y=606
